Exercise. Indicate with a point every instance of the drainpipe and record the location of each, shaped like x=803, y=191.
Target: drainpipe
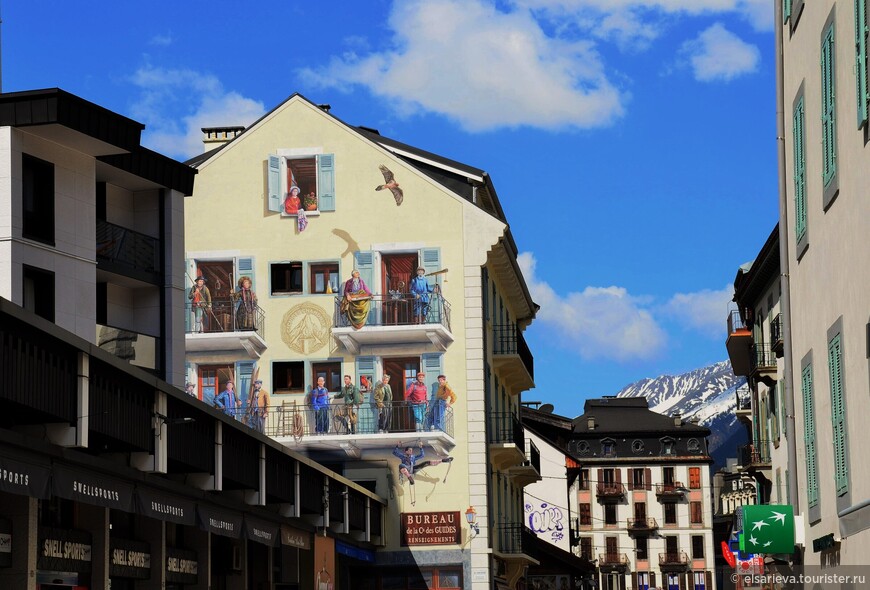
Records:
x=785, y=302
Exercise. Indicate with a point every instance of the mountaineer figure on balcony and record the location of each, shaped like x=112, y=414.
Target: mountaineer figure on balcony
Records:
x=246, y=304
x=200, y=299
x=417, y=396
x=228, y=401
x=258, y=406
x=444, y=397
x=384, y=403
x=320, y=405
x=408, y=461
x=356, y=300
x=421, y=289
x=352, y=399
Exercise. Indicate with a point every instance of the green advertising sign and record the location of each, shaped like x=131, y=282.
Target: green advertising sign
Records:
x=768, y=529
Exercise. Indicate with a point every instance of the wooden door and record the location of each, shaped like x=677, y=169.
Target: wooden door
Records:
x=397, y=270
x=212, y=380
x=402, y=371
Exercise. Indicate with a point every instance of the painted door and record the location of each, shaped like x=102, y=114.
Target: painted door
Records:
x=212, y=380
x=219, y=280
x=397, y=270
x=402, y=372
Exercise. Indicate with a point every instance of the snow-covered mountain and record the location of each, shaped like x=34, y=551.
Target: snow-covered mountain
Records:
x=707, y=394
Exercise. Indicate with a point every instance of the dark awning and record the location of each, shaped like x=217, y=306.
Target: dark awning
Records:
x=262, y=531
x=92, y=488
x=27, y=479
x=162, y=506
x=220, y=522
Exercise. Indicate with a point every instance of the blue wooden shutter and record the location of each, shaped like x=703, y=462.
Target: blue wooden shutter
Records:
x=365, y=365
x=430, y=259
x=275, y=188
x=432, y=366
x=244, y=370
x=326, y=199
x=800, y=199
x=364, y=262
x=838, y=415
x=861, y=59
x=246, y=267
x=786, y=10
x=810, y=436
x=829, y=125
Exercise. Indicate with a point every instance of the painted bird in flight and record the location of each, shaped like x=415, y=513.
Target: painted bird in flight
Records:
x=390, y=183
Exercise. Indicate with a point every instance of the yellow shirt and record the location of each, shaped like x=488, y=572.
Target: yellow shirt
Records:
x=446, y=392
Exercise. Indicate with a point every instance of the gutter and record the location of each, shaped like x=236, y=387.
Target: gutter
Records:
x=785, y=302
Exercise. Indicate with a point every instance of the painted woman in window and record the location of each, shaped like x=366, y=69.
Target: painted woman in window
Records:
x=356, y=300
x=292, y=202
x=246, y=305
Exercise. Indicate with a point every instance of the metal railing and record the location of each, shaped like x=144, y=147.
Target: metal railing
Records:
x=676, y=558
x=670, y=489
x=533, y=455
x=613, y=559
x=137, y=349
x=776, y=331
x=610, y=490
x=222, y=316
x=398, y=309
x=642, y=524
x=300, y=420
x=505, y=427
x=755, y=454
x=735, y=322
x=508, y=339
x=514, y=538
x=129, y=248
x=762, y=358
x=744, y=398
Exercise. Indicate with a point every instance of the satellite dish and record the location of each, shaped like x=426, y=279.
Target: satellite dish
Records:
x=547, y=408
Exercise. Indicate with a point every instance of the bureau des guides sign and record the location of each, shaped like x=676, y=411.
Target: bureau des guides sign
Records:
x=431, y=528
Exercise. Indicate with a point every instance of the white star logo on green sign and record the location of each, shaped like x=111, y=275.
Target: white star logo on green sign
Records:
x=770, y=529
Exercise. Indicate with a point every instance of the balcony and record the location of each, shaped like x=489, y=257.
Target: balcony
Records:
x=776, y=335
x=129, y=253
x=738, y=343
x=393, y=319
x=673, y=561
x=762, y=359
x=529, y=471
x=514, y=543
x=755, y=455
x=609, y=491
x=641, y=526
x=610, y=562
x=506, y=440
x=137, y=349
x=673, y=491
x=222, y=328
x=296, y=426
x=512, y=358
x=744, y=403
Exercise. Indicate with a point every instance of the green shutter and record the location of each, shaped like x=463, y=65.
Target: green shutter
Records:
x=786, y=10
x=838, y=415
x=244, y=370
x=800, y=172
x=430, y=259
x=273, y=176
x=365, y=365
x=326, y=198
x=432, y=366
x=861, y=59
x=810, y=436
x=364, y=262
x=246, y=268
x=829, y=109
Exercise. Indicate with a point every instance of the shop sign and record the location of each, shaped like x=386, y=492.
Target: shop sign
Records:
x=262, y=531
x=181, y=566
x=129, y=559
x=431, y=528
x=295, y=538
x=161, y=506
x=25, y=479
x=357, y=553
x=61, y=550
x=92, y=488
x=220, y=522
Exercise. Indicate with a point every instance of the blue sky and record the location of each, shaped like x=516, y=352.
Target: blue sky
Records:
x=631, y=141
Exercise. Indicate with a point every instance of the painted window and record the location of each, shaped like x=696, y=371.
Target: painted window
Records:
x=838, y=415
x=829, y=109
x=324, y=278
x=286, y=277
x=800, y=169
x=810, y=436
x=305, y=183
x=288, y=377
x=331, y=373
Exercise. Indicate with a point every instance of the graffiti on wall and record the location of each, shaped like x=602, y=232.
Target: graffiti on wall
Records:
x=545, y=520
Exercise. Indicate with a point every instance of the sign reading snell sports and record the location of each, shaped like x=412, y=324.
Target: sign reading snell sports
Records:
x=62, y=550
x=23, y=478
x=163, y=506
x=92, y=488
x=129, y=559
x=181, y=566
x=431, y=528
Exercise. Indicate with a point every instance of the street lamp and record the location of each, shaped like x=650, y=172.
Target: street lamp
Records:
x=471, y=518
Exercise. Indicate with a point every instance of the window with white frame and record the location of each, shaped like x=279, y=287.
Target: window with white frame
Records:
x=304, y=182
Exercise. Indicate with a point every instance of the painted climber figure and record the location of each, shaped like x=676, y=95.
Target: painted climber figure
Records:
x=408, y=461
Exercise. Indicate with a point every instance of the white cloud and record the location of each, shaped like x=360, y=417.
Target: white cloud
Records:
x=481, y=67
x=175, y=104
x=161, y=40
x=600, y=322
x=704, y=310
x=719, y=55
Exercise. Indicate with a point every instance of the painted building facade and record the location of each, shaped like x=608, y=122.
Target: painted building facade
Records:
x=295, y=203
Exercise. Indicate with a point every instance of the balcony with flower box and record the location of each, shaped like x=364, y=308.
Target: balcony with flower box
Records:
x=394, y=318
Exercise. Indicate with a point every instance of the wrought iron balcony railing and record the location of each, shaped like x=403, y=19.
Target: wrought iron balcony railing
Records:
x=744, y=398
x=610, y=490
x=514, y=538
x=398, y=309
x=508, y=339
x=735, y=322
x=300, y=421
x=762, y=358
x=673, y=559
x=642, y=524
x=671, y=490
x=776, y=333
x=756, y=454
x=127, y=248
x=613, y=559
x=221, y=316
x=505, y=427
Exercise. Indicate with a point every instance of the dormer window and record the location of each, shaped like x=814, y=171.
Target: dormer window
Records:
x=608, y=447
x=669, y=446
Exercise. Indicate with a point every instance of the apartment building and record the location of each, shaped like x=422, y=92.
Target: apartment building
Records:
x=825, y=217
x=310, y=210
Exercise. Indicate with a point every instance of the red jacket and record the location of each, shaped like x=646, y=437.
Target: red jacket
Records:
x=416, y=393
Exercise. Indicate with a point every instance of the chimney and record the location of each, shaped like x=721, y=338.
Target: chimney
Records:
x=590, y=423
x=678, y=421
x=213, y=137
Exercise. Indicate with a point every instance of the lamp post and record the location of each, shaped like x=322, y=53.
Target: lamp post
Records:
x=471, y=518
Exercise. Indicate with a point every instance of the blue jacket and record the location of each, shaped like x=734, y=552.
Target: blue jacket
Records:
x=227, y=401
x=407, y=461
x=420, y=286
x=319, y=398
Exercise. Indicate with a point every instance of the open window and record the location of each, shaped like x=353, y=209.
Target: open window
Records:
x=301, y=182
x=288, y=377
x=286, y=278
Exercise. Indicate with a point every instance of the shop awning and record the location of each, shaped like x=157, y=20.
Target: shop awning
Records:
x=92, y=488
